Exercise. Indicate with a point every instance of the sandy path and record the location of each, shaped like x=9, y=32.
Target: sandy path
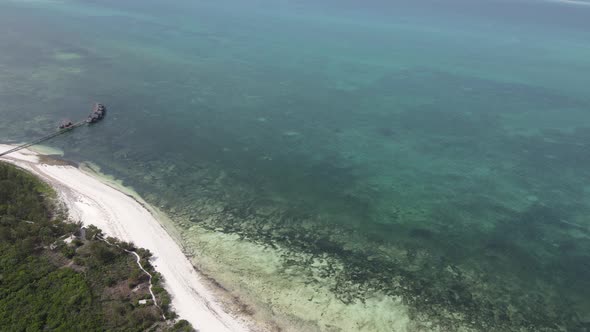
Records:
x=119, y=215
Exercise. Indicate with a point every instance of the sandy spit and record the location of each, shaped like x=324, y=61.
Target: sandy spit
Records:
x=93, y=200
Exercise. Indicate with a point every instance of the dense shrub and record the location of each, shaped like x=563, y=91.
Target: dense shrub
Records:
x=39, y=288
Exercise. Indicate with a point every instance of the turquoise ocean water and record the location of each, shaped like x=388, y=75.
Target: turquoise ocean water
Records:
x=336, y=165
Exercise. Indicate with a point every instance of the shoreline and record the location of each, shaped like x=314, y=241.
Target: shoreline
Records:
x=121, y=213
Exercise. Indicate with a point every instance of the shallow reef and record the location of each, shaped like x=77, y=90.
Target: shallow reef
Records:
x=446, y=184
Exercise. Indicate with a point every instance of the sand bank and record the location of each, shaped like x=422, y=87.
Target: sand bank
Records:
x=96, y=201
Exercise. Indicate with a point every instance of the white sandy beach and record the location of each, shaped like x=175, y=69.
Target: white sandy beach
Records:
x=93, y=201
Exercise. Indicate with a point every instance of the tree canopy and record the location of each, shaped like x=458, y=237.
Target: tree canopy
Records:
x=84, y=284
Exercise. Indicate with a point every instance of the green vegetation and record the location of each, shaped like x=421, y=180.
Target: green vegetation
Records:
x=54, y=275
